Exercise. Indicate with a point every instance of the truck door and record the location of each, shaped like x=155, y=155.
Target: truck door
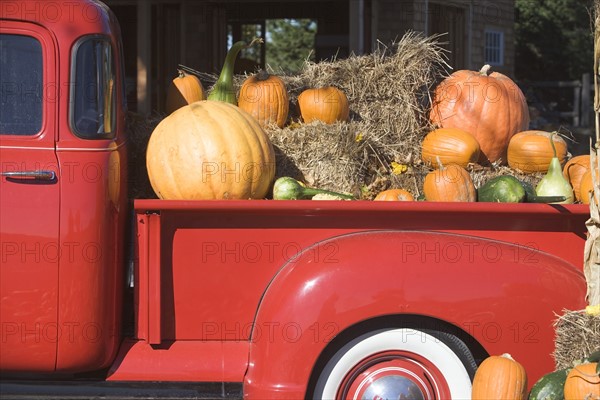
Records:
x=29, y=198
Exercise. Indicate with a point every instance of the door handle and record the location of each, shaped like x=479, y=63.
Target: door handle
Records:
x=41, y=175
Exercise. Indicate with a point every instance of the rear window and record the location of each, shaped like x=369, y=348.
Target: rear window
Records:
x=21, y=85
x=93, y=89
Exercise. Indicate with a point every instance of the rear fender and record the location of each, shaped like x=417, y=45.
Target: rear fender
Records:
x=501, y=294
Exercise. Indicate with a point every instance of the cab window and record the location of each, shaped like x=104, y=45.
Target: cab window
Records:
x=93, y=89
x=21, y=85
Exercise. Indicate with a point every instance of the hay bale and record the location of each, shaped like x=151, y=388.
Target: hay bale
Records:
x=577, y=336
x=388, y=93
x=328, y=156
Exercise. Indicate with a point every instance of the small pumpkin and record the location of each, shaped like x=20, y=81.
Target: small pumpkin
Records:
x=501, y=378
x=531, y=151
x=583, y=383
x=450, y=146
x=265, y=97
x=394, y=195
x=210, y=150
x=449, y=183
x=183, y=90
x=488, y=105
x=327, y=104
x=574, y=170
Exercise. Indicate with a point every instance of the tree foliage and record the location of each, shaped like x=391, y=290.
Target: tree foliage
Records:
x=554, y=39
x=289, y=43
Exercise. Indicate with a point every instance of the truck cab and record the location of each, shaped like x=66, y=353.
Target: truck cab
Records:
x=62, y=187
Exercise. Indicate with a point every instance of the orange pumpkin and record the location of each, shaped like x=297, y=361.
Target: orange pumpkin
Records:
x=210, y=150
x=531, y=151
x=490, y=106
x=583, y=383
x=574, y=170
x=183, y=90
x=500, y=378
x=328, y=104
x=265, y=97
x=394, y=195
x=586, y=186
x=449, y=183
x=449, y=146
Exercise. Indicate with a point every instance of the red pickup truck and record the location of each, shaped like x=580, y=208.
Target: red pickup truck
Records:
x=230, y=299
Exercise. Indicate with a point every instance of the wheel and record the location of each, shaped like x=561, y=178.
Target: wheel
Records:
x=398, y=364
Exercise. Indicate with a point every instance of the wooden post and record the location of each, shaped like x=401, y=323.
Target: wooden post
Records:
x=144, y=95
x=577, y=105
x=597, y=69
x=586, y=101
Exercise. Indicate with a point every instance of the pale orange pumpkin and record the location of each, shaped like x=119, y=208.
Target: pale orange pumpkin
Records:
x=327, y=104
x=210, y=150
x=394, y=195
x=265, y=97
x=449, y=146
x=490, y=106
x=586, y=186
x=499, y=378
x=574, y=170
x=583, y=383
x=183, y=90
x=449, y=183
x=531, y=151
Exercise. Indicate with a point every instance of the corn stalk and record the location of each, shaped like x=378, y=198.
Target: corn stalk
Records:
x=592, y=245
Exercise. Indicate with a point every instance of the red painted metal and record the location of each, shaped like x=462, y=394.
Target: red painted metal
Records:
x=154, y=281
x=507, y=305
x=184, y=360
x=73, y=301
x=344, y=263
x=29, y=232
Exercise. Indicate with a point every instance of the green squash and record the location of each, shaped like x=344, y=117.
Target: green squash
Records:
x=550, y=386
x=502, y=189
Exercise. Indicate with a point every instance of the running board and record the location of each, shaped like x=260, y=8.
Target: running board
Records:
x=85, y=390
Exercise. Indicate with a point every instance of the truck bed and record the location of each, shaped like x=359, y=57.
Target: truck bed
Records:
x=208, y=272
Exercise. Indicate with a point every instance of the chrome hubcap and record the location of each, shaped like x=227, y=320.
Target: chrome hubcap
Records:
x=394, y=375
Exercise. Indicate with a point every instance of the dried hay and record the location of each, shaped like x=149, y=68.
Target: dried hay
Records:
x=577, y=336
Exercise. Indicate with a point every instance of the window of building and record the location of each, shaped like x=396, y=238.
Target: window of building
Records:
x=494, y=47
x=21, y=85
x=93, y=102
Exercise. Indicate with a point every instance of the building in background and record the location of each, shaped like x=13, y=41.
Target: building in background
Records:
x=160, y=34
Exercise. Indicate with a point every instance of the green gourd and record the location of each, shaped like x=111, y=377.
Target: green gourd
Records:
x=287, y=188
x=554, y=182
x=223, y=89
